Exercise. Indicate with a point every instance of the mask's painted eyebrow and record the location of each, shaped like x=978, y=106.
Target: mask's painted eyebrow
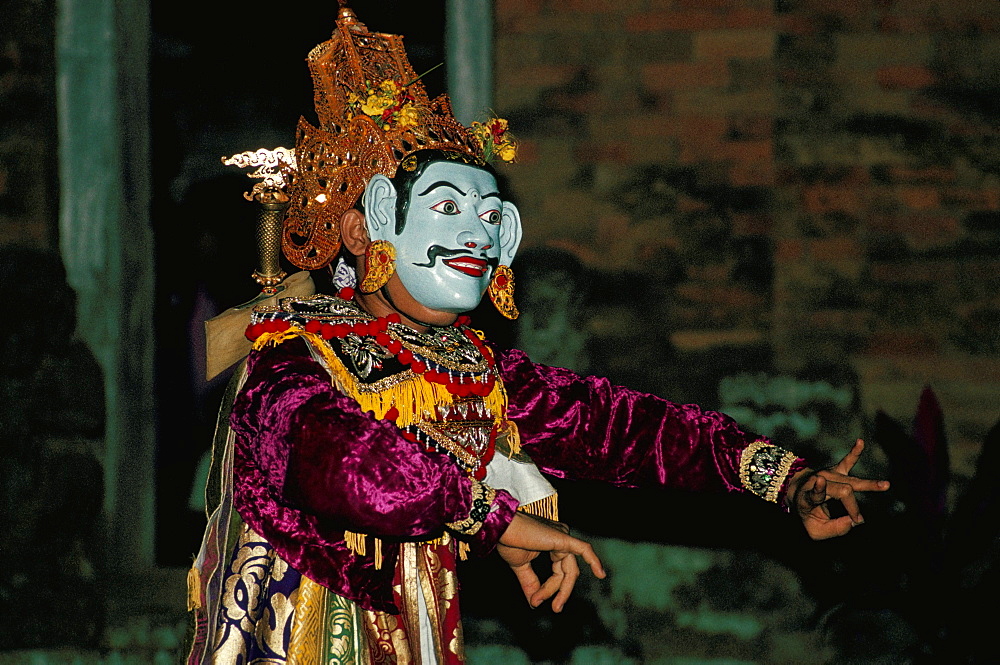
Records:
x=492, y=195
x=441, y=183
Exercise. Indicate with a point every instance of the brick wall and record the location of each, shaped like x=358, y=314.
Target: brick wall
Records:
x=811, y=183
x=27, y=125
x=647, y=139
x=888, y=201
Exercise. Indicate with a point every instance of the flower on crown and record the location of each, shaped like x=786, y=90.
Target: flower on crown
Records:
x=388, y=104
x=495, y=140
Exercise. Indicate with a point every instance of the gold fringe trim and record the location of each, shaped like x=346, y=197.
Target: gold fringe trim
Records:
x=547, y=507
x=193, y=589
x=415, y=399
x=463, y=550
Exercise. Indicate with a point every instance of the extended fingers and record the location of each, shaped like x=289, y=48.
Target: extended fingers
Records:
x=867, y=485
x=858, y=484
x=845, y=465
x=586, y=551
x=835, y=483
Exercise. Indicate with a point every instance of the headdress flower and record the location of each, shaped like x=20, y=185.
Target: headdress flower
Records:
x=388, y=104
x=496, y=141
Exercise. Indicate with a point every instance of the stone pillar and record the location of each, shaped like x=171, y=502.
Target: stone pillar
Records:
x=469, y=48
x=106, y=244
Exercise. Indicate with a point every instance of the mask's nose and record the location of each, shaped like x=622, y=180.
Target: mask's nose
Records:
x=474, y=239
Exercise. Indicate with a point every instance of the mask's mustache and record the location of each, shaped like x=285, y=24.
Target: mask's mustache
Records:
x=434, y=252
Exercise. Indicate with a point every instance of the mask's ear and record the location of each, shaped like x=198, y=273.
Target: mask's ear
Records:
x=380, y=208
x=510, y=232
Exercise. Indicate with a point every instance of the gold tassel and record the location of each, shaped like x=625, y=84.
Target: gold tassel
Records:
x=358, y=543
x=463, y=550
x=193, y=589
x=513, y=438
x=547, y=507
x=355, y=542
x=411, y=398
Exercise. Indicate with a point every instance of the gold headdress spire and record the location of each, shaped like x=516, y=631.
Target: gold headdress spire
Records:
x=373, y=112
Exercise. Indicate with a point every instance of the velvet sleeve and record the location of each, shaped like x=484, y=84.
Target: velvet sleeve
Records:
x=585, y=428
x=319, y=453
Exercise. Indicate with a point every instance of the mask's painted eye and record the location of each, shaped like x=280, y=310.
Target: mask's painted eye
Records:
x=447, y=207
x=491, y=217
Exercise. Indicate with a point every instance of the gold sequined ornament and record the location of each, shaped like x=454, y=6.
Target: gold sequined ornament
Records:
x=380, y=263
x=501, y=291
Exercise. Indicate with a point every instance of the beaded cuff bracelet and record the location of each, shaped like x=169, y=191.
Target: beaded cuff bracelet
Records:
x=763, y=469
x=482, y=502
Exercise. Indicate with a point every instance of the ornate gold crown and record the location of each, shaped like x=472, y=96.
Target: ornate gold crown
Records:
x=373, y=112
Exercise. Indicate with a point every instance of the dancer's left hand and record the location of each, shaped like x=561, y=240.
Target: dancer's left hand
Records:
x=810, y=491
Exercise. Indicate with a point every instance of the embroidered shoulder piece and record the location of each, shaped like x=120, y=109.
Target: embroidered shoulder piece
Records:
x=376, y=350
x=763, y=469
x=482, y=502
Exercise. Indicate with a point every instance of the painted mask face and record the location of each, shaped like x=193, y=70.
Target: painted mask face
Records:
x=457, y=231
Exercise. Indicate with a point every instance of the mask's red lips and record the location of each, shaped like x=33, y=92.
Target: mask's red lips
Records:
x=468, y=265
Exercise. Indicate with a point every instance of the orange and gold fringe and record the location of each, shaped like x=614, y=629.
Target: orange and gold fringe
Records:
x=421, y=397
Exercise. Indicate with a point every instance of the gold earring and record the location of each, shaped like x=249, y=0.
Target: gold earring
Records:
x=380, y=263
x=501, y=291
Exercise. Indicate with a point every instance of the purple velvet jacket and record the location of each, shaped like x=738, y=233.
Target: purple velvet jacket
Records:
x=309, y=464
